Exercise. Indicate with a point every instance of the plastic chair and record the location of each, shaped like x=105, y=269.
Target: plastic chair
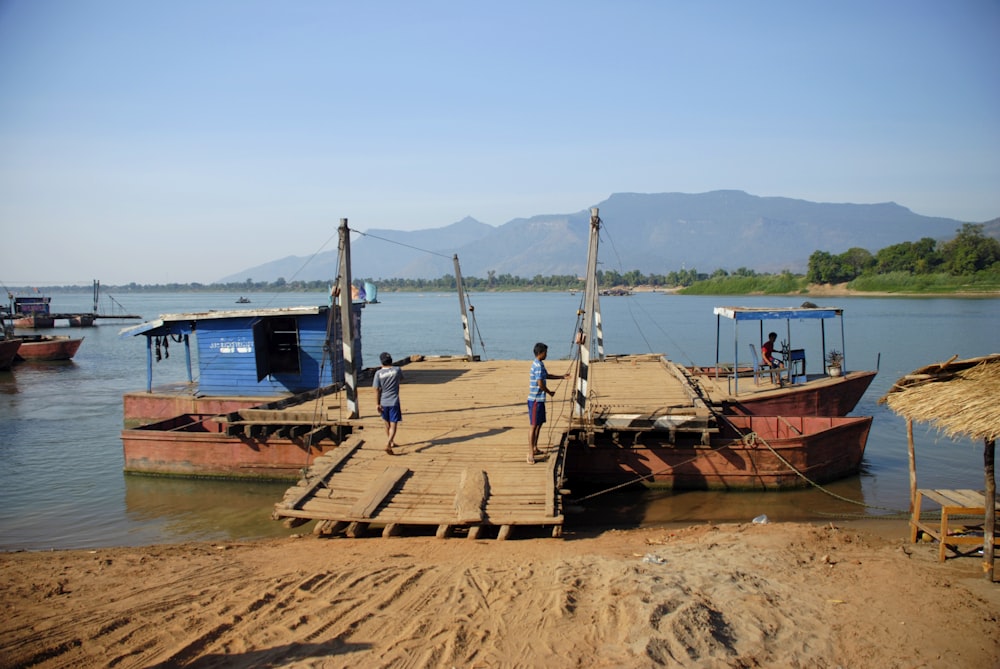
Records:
x=759, y=368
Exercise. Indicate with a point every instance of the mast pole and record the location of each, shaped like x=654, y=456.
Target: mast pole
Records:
x=347, y=320
x=465, y=316
x=589, y=302
x=599, y=325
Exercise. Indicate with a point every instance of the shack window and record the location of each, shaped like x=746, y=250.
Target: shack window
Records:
x=280, y=346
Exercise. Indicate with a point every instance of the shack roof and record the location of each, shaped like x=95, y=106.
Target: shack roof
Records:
x=959, y=397
x=171, y=322
x=763, y=313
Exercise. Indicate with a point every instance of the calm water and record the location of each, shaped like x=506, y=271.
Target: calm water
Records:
x=62, y=486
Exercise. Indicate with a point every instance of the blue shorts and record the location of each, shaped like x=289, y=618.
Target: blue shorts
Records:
x=536, y=412
x=392, y=414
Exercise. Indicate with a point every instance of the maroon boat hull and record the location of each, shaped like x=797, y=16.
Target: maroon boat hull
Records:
x=140, y=408
x=832, y=397
x=8, y=352
x=193, y=445
x=822, y=449
x=41, y=348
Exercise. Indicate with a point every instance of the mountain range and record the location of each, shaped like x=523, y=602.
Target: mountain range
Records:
x=653, y=233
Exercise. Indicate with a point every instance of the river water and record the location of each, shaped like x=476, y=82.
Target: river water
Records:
x=61, y=479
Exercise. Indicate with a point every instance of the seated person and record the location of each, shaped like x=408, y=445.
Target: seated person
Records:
x=767, y=352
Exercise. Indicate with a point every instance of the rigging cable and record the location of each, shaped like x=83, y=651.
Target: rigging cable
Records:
x=648, y=315
x=614, y=249
x=409, y=246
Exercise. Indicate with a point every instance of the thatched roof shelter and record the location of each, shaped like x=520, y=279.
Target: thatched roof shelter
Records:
x=961, y=398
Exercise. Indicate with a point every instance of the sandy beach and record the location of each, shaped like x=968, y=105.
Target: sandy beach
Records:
x=736, y=595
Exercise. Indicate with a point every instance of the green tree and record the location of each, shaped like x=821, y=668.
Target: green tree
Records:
x=970, y=251
x=855, y=261
x=919, y=257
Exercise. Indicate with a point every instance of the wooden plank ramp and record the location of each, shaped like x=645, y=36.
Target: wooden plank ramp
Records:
x=461, y=459
x=461, y=464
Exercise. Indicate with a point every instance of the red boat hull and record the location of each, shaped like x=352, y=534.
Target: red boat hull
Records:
x=194, y=445
x=831, y=397
x=42, y=348
x=822, y=449
x=141, y=408
x=8, y=352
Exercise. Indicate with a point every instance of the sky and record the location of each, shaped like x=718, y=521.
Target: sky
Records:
x=183, y=141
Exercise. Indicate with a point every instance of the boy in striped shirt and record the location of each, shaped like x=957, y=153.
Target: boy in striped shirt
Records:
x=537, y=391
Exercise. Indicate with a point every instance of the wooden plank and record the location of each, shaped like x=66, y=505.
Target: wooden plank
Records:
x=550, y=489
x=318, y=434
x=337, y=456
x=328, y=527
x=470, y=500
x=365, y=506
x=356, y=530
x=970, y=498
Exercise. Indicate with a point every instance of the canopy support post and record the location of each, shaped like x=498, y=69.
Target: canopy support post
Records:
x=989, y=527
x=913, y=463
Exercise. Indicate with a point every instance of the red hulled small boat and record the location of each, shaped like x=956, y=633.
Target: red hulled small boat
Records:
x=46, y=348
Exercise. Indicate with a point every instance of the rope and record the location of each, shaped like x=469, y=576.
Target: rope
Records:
x=614, y=249
x=475, y=324
x=409, y=246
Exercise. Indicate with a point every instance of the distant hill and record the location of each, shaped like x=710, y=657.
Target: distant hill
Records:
x=652, y=233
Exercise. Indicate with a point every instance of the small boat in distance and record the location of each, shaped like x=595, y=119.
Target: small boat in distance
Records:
x=33, y=311
x=40, y=348
x=243, y=300
x=48, y=348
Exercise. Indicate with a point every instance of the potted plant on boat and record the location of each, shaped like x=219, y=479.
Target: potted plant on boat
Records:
x=834, y=362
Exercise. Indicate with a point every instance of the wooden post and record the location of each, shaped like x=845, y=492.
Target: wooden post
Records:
x=347, y=321
x=589, y=300
x=149, y=364
x=913, y=463
x=465, y=315
x=989, y=527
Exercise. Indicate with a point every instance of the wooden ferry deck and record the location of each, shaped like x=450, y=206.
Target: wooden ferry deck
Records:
x=461, y=463
x=460, y=466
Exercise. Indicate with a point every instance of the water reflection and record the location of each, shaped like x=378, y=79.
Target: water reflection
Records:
x=8, y=383
x=204, y=509
x=636, y=508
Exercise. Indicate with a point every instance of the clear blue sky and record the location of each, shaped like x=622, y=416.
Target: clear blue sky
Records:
x=187, y=140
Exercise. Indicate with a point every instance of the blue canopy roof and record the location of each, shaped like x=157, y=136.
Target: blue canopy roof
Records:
x=185, y=323
x=764, y=314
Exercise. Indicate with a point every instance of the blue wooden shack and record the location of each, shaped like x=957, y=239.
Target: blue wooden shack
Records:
x=254, y=351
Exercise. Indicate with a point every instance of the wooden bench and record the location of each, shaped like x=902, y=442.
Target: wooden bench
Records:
x=953, y=503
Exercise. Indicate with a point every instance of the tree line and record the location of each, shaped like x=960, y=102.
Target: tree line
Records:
x=969, y=254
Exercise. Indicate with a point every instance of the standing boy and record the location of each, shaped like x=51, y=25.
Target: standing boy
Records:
x=537, y=391
x=386, y=384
